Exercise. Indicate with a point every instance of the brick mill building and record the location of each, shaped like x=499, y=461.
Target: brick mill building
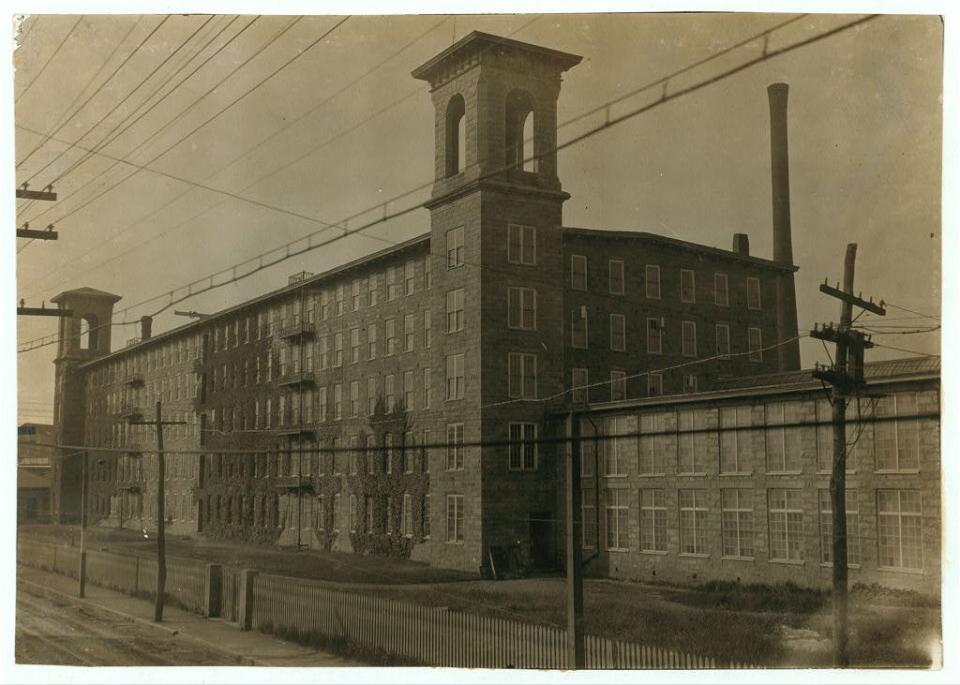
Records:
x=346, y=409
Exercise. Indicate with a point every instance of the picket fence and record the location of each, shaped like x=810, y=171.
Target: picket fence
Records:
x=427, y=635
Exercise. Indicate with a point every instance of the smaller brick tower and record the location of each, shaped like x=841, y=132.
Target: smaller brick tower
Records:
x=84, y=335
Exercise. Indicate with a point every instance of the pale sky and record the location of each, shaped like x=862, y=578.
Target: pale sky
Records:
x=865, y=139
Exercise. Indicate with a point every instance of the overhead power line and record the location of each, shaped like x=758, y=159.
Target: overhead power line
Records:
x=246, y=268
x=216, y=115
x=52, y=56
x=120, y=103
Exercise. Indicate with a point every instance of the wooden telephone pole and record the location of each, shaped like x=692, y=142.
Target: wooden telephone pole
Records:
x=158, y=423
x=575, y=641
x=846, y=377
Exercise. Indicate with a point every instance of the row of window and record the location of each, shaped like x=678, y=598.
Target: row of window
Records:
x=782, y=437
x=898, y=524
x=579, y=336
x=688, y=288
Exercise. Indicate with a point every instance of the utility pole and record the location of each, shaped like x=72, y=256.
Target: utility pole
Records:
x=846, y=377
x=575, y=642
x=46, y=195
x=158, y=423
x=82, y=574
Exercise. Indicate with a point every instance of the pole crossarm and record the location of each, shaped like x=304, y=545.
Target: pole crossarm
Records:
x=855, y=300
x=34, y=234
x=46, y=195
x=43, y=311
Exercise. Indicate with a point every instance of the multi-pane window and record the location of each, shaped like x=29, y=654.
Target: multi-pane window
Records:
x=371, y=395
x=693, y=521
x=406, y=516
x=688, y=338
x=337, y=401
x=389, y=393
x=897, y=442
x=753, y=293
x=723, y=340
x=408, y=390
x=521, y=244
x=825, y=437
x=784, y=446
x=409, y=332
x=373, y=289
x=355, y=294
x=324, y=312
x=755, y=344
x=652, y=281
x=579, y=381
x=338, y=349
x=786, y=525
x=618, y=517
x=735, y=439
x=368, y=514
x=653, y=521
x=522, y=375
x=578, y=272
x=654, y=335
x=427, y=387
x=618, y=451
x=427, y=280
x=390, y=327
x=353, y=513
x=339, y=299
x=455, y=247
x=588, y=517
x=618, y=385
x=455, y=310
x=372, y=341
x=455, y=377
x=322, y=404
x=736, y=522
x=618, y=332
x=692, y=441
x=688, y=291
x=826, y=527
x=354, y=345
x=409, y=269
x=427, y=328
x=394, y=280
x=615, y=276
x=578, y=328
x=523, y=447
x=454, y=518
x=425, y=516
x=455, y=447
x=655, y=443
x=899, y=529
x=522, y=308
x=354, y=398
x=689, y=382
x=721, y=290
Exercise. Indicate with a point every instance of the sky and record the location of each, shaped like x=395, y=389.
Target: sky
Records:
x=345, y=126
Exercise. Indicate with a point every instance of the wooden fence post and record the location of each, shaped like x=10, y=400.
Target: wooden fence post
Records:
x=213, y=591
x=246, y=598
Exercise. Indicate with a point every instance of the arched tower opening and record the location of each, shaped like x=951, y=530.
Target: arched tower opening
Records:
x=456, y=144
x=89, y=326
x=519, y=131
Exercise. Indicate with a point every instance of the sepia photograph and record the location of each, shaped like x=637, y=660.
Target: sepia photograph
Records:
x=557, y=342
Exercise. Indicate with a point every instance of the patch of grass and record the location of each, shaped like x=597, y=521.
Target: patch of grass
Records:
x=339, y=645
x=785, y=598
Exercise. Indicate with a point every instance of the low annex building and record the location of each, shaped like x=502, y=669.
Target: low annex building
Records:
x=733, y=484
x=390, y=405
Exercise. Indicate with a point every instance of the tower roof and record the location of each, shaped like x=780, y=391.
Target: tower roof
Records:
x=476, y=41
x=85, y=292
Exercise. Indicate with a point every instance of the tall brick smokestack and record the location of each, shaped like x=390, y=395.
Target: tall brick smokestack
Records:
x=789, y=354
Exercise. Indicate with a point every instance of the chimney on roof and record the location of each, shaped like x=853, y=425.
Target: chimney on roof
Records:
x=741, y=244
x=787, y=330
x=146, y=327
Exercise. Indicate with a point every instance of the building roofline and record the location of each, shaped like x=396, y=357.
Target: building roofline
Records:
x=311, y=281
x=676, y=242
x=760, y=390
x=564, y=60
